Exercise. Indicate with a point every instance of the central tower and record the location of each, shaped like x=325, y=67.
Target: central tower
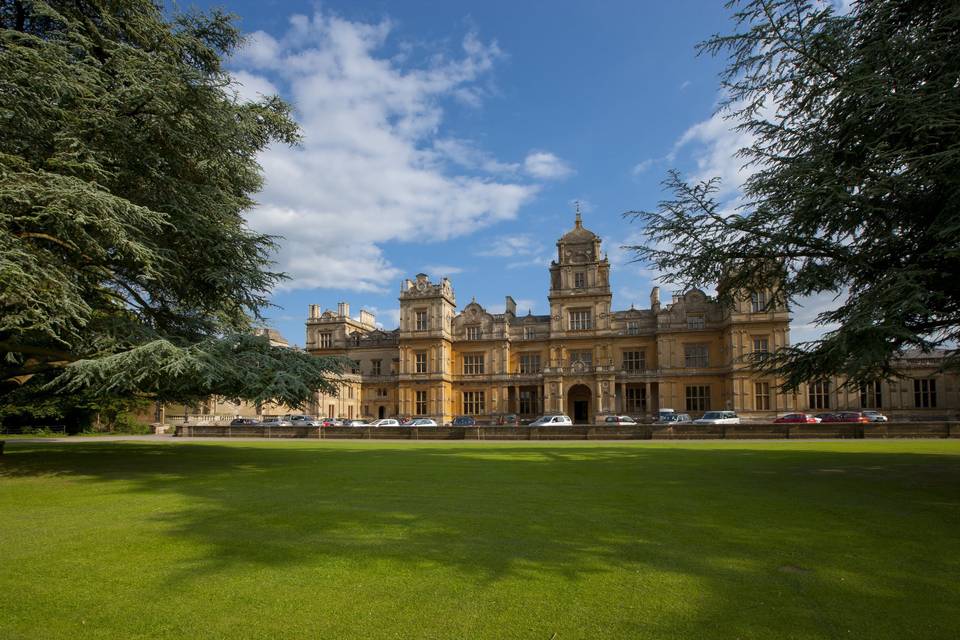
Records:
x=579, y=284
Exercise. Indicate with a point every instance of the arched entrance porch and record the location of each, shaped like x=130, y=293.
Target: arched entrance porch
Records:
x=578, y=403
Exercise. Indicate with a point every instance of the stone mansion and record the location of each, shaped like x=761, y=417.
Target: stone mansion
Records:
x=584, y=359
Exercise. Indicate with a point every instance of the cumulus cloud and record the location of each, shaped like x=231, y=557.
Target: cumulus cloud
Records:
x=546, y=166
x=368, y=170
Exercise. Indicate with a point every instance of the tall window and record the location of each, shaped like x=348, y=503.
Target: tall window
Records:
x=527, y=405
x=758, y=301
x=375, y=367
x=696, y=356
x=761, y=396
x=473, y=332
x=473, y=403
x=925, y=393
x=695, y=321
x=586, y=357
x=529, y=363
x=761, y=347
x=579, y=279
x=698, y=397
x=580, y=320
x=326, y=340
x=422, y=322
x=381, y=392
x=633, y=361
x=529, y=333
x=633, y=328
x=420, y=406
x=870, y=397
x=819, y=394
x=421, y=362
x=634, y=400
x=473, y=364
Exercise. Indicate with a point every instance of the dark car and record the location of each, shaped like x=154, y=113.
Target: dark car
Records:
x=847, y=416
x=464, y=421
x=508, y=420
x=791, y=418
x=619, y=420
x=244, y=422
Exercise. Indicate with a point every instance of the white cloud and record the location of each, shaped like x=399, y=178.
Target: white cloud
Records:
x=805, y=311
x=523, y=244
x=643, y=166
x=714, y=144
x=546, y=166
x=370, y=168
x=685, y=84
x=440, y=270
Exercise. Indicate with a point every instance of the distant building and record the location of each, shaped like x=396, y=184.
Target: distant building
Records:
x=585, y=358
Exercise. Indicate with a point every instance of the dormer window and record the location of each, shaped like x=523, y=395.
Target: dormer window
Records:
x=325, y=340
x=758, y=301
x=695, y=321
x=474, y=332
x=579, y=279
x=633, y=328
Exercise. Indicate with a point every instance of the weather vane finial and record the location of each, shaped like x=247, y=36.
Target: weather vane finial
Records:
x=579, y=222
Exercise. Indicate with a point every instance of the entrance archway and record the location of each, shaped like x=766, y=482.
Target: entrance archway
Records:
x=382, y=413
x=578, y=403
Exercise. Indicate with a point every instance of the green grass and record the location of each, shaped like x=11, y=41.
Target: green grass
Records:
x=471, y=540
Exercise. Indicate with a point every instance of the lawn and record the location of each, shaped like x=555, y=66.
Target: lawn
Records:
x=847, y=539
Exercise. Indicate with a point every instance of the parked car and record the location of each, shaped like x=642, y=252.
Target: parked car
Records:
x=244, y=422
x=464, y=421
x=619, y=420
x=276, y=422
x=355, y=423
x=385, y=422
x=422, y=422
x=847, y=416
x=876, y=416
x=718, y=417
x=824, y=417
x=552, y=421
x=304, y=421
x=508, y=420
x=792, y=418
x=673, y=418
x=331, y=422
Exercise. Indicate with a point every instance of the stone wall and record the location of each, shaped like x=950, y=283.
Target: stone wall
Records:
x=584, y=432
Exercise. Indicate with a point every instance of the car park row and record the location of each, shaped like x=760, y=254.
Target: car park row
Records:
x=664, y=417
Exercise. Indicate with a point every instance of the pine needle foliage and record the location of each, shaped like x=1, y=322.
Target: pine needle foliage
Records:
x=854, y=189
x=126, y=163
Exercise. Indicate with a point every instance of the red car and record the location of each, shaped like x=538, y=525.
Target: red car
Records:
x=796, y=418
x=847, y=416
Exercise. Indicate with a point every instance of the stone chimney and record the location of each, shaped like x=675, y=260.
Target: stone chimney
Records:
x=368, y=319
x=509, y=306
x=314, y=311
x=655, y=299
x=343, y=310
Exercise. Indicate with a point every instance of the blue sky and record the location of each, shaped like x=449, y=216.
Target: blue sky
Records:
x=452, y=138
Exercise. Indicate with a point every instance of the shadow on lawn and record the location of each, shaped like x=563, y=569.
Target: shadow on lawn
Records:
x=786, y=527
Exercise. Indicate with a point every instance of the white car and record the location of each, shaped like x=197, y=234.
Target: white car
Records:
x=385, y=422
x=276, y=422
x=875, y=416
x=718, y=417
x=423, y=422
x=355, y=423
x=304, y=421
x=552, y=421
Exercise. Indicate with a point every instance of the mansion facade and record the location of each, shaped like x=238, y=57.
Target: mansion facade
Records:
x=584, y=358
